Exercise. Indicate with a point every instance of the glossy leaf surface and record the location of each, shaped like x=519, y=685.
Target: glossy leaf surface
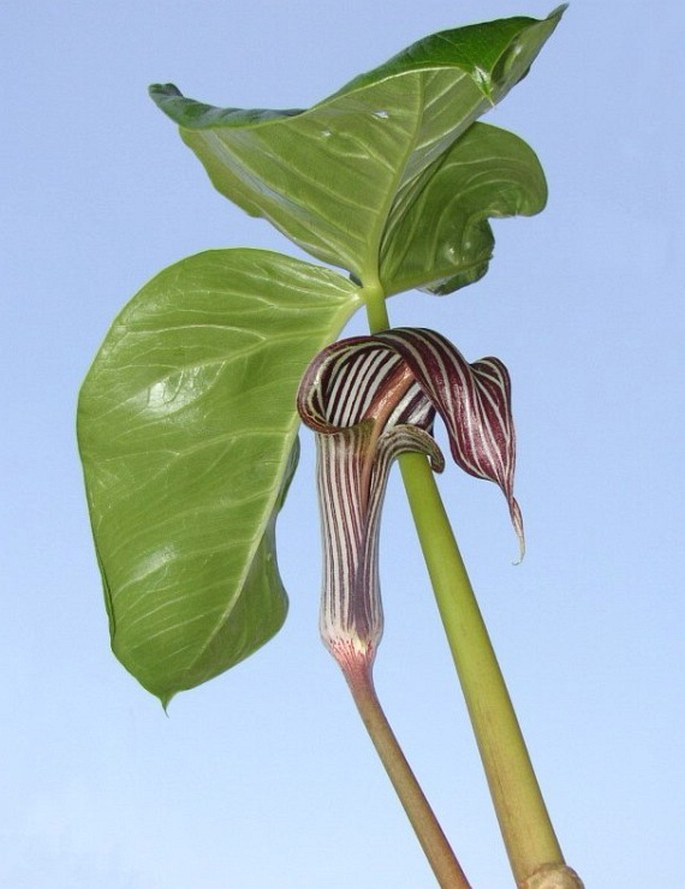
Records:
x=187, y=431
x=437, y=237
x=338, y=178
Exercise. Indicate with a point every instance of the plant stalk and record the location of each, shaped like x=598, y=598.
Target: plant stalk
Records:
x=524, y=822
x=426, y=826
x=525, y=825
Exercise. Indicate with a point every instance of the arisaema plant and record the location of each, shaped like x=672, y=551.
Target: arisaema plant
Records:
x=188, y=418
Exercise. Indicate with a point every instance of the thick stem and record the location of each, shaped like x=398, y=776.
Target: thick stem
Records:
x=376, y=311
x=430, y=835
x=526, y=828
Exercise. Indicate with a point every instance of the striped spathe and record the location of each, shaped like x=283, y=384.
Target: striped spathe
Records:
x=369, y=399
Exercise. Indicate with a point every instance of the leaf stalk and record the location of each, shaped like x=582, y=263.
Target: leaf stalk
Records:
x=527, y=831
x=526, y=828
x=376, y=310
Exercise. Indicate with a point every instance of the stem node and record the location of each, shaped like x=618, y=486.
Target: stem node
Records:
x=553, y=876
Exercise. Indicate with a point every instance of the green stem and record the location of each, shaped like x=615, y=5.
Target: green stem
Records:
x=526, y=828
x=376, y=310
x=426, y=826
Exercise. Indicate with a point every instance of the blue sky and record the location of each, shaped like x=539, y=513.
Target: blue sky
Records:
x=264, y=777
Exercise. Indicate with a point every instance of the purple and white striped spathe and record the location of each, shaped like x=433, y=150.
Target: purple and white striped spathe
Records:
x=474, y=401
x=366, y=409
x=370, y=399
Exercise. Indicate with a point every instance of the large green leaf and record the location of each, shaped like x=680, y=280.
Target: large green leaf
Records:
x=329, y=178
x=188, y=435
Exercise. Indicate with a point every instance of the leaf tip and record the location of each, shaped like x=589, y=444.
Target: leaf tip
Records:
x=165, y=700
x=161, y=91
x=558, y=11
x=168, y=98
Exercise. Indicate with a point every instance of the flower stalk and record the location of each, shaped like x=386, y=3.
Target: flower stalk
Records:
x=365, y=406
x=429, y=833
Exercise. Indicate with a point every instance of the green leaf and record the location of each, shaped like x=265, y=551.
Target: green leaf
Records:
x=188, y=434
x=438, y=237
x=329, y=178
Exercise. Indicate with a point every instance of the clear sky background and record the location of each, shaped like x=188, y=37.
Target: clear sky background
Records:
x=264, y=777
